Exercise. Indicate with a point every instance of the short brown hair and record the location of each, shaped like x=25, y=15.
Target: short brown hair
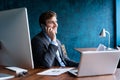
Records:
x=46, y=15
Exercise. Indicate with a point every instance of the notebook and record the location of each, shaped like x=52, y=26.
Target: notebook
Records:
x=94, y=63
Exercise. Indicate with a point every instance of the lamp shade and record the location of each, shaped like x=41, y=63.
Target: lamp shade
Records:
x=103, y=33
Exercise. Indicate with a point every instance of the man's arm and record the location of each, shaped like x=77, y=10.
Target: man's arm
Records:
x=68, y=61
x=71, y=63
x=43, y=54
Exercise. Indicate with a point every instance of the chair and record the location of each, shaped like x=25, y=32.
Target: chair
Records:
x=63, y=49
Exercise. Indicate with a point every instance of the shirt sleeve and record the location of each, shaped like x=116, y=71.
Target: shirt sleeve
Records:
x=54, y=43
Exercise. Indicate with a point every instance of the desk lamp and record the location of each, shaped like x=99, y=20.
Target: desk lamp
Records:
x=103, y=34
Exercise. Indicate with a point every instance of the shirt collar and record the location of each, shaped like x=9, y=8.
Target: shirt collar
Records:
x=48, y=38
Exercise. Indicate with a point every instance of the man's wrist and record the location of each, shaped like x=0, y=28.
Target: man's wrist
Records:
x=54, y=43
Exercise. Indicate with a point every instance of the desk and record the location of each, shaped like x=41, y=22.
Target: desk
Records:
x=66, y=76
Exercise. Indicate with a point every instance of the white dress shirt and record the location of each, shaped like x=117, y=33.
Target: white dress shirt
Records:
x=57, y=53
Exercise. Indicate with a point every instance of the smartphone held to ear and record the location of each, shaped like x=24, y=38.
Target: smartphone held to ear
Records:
x=43, y=27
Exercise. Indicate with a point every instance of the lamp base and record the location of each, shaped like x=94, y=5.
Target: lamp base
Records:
x=110, y=49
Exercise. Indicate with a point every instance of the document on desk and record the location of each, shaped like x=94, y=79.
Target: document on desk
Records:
x=54, y=71
x=101, y=47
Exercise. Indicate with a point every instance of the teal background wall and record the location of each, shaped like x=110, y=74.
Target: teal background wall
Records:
x=80, y=21
x=118, y=21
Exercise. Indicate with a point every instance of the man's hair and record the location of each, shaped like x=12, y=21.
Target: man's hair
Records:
x=46, y=15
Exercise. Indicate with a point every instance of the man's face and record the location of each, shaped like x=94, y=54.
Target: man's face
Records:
x=52, y=23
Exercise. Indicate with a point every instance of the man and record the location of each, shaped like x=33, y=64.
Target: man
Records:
x=46, y=48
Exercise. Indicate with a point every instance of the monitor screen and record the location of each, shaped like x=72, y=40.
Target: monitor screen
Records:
x=15, y=44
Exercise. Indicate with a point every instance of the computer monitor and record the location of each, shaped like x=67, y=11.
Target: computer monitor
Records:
x=15, y=43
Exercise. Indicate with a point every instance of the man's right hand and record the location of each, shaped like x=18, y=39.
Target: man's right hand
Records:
x=51, y=33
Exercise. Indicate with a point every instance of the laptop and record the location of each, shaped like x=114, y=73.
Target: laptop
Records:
x=94, y=63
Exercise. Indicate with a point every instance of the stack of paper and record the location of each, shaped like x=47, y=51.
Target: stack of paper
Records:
x=54, y=71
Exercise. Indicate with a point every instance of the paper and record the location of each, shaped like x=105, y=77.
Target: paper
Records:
x=54, y=71
x=101, y=47
x=118, y=48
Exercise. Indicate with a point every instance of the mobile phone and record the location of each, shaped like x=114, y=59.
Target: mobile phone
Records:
x=43, y=27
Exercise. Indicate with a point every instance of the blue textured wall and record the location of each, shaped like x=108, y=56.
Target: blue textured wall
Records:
x=80, y=21
x=118, y=21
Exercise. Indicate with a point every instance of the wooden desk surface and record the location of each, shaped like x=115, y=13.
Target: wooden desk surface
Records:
x=66, y=76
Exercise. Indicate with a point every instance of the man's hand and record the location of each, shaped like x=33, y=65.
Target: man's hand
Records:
x=51, y=33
